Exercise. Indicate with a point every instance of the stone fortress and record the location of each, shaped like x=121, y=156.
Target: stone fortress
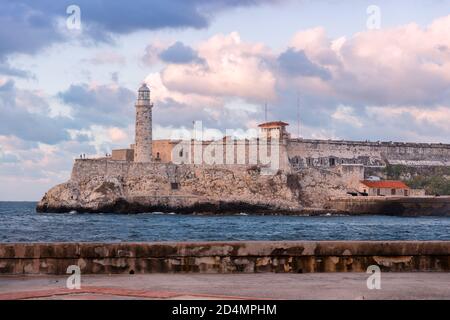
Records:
x=272, y=173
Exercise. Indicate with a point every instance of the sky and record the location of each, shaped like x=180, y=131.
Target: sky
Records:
x=360, y=70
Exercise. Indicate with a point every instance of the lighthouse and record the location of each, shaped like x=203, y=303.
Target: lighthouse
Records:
x=143, y=140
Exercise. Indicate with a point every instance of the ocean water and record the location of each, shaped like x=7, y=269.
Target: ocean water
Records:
x=19, y=222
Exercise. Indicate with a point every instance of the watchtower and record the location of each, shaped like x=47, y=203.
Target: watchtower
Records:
x=143, y=140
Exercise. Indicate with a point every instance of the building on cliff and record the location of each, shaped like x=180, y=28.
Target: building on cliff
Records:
x=268, y=173
x=291, y=154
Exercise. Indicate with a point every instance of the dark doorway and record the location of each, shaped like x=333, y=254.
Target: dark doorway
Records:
x=332, y=162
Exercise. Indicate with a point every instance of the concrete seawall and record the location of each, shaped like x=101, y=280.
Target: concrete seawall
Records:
x=398, y=206
x=224, y=257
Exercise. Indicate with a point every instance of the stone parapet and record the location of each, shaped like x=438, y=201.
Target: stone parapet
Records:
x=224, y=257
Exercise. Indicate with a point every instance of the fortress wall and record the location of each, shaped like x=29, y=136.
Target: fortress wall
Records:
x=224, y=151
x=305, y=152
x=224, y=257
x=88, y=168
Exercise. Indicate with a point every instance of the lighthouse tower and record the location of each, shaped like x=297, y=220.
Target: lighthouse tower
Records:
x=143, y=141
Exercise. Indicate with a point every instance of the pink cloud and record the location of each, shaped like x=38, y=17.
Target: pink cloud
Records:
x=401, y=65
x=233, y=68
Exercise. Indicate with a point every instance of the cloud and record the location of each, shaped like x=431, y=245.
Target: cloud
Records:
x=338, y=81
x=33, y=168
x=7, y=70
x=217, y=92
x=26, y=115
x=25, y=29
x=7, y=157
x=232, y=69
x=386, y=66
x=404, y=71
x=296, y=63
x=117, y=134
x=115, y=77
x=37, y=24
x=152, y=51
x=106, y=58
x=415, y=123
x=100, y=104
x=346, y=115
x=178, y=53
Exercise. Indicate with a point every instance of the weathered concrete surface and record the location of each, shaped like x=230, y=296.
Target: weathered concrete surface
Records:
x=225, y=257
x=399, y=285
x=399, y=206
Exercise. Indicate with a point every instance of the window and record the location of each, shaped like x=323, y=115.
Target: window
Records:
x=174, y=185
x=181, y=153
x=332, y=162
x=157, y=156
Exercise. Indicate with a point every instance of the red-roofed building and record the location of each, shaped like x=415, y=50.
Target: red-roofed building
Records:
x=274, y=129
x=273, y=124
x=384, y=188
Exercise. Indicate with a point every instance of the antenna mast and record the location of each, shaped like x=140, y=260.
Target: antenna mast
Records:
x=265, y=112
x=298, y=116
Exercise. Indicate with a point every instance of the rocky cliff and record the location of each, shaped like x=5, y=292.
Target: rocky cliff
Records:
x=127, y=187
x=103, y=185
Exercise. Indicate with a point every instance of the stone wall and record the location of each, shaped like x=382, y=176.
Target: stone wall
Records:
x=225, y=151
x=162, y=150
x=306, y=153
x=224, y=257
x=123, y=155
x=302, y=153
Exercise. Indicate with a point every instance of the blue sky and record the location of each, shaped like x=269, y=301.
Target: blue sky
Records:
x=65, y=92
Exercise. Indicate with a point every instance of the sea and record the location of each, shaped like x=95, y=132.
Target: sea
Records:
x=19, y=222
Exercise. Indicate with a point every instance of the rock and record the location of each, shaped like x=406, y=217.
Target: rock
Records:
x=127, y=187
x=137, y=187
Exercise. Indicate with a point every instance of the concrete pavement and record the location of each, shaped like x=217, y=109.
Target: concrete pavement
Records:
x=421, y=285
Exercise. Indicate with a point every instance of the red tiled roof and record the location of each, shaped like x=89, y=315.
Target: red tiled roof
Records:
x=388, y=184
x=273, y=124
